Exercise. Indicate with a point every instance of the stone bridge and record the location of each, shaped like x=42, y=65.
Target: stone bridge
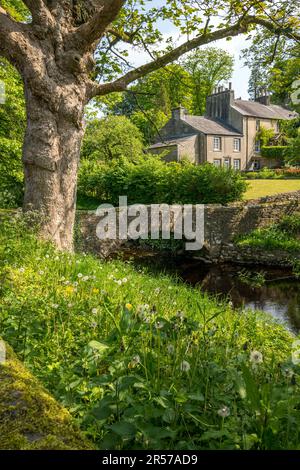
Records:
x=221, y=225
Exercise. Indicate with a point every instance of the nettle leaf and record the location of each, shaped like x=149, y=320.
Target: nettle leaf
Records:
x=100, y=347
x=124, y=429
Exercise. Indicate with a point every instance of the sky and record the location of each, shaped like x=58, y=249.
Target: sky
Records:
x=241, y=73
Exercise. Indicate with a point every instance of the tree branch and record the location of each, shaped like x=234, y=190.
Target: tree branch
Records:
x=12, y=39
x=40, y=13
x=86, y=34
x=240, y=27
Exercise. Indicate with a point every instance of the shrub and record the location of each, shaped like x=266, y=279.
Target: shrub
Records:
x=153, y=181
x=275, y=152
x=111, y=138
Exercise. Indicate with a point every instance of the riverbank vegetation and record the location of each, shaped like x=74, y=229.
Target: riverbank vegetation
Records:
x=284, y=235
x=143, y=362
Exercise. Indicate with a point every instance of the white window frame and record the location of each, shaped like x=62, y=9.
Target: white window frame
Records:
x=235, y=161
x=227, y=162
x=218, y=147
x=237, y=141
x=258, y=124
x=217, y=162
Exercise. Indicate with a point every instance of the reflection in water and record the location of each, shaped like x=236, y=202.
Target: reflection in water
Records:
x=279, y=296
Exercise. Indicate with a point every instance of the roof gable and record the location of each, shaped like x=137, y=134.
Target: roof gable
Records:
x=255, y=109
x=210, y=126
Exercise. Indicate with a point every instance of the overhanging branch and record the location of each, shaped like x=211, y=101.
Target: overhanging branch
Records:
x=240, y=27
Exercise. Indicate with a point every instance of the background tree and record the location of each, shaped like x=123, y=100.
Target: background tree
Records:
x=275, y=65
x=111, y=138
x=207, y=69
x=54, y=53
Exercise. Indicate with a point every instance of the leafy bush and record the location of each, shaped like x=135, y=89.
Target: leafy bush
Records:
x=276, y=152
x=142, y=361
x=111, y=138
x=153, y=181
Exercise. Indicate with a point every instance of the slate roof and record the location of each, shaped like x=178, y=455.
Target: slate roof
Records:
x=210, y=126
x=255, y=109
x=175, y=141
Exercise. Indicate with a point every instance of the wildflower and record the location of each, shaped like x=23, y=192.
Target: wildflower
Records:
x=94, y=311
x=69, y=290
x=159, y=325
x=22, y=270
x=75, y=284
x=95, y=291
x=63, y=279
x=55, y=306
x=157, y=290
x=170, y=349
x=256, y=357
x=70, y=305
x=41, y=273
x=134, y=361
x=124, y=280
x=128, y=306
x=94, y=324
x=180, y=315
x=230, y=304
x=85, y=278
x=119, y=282
x=47, y=256
x=185, y=366
x=79, y=275
x=224, y=412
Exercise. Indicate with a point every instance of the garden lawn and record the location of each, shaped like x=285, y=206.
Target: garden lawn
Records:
x=261, y=188
x=144, y=361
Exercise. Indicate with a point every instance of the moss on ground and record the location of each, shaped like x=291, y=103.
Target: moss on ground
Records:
x=29, y=417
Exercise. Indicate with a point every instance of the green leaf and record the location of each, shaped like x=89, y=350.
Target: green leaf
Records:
x=124, y=429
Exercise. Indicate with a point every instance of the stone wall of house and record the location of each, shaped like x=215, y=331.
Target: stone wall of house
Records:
x=222, y=225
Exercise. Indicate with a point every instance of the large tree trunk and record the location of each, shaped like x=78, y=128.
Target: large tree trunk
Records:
x=51, y=156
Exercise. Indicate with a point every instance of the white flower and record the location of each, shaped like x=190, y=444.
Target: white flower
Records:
x=159, y=325
x=94, y=324
x=63, y=279
x=75, y=284
x=136, y=359
x=55, y=306
x=41, y=273
x=85, y=278
x=256, y=357
x=124, y=280
x=22, y=270
x=157, y=290
x=94, y=311
x=119, y=282
x=170, y=349
x=79, y=275
x=185, y=366
x=70, y=305
x=224, y=412
x=47, y=256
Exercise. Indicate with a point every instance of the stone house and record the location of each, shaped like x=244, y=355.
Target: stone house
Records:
x=226, y=135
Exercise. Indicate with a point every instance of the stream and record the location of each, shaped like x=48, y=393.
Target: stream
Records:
x=271, y=290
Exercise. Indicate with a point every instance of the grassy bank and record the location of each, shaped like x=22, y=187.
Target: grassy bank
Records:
x=144, y=361
x=282, y=236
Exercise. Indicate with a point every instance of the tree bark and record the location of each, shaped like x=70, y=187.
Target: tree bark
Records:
x=50, y=156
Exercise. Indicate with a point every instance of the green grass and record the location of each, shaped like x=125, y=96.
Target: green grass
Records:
x=261, y=188
x=282, y=236
x=142, y=360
